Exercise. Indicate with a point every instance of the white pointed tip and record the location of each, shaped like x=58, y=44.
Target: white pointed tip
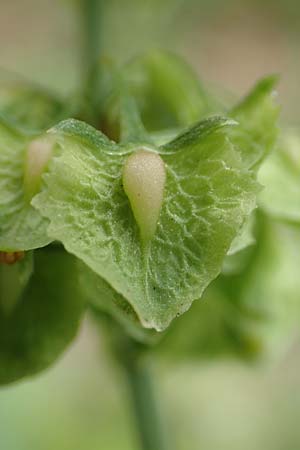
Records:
x=144, y=177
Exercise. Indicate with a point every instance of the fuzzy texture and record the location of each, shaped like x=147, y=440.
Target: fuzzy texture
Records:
x=207, y=196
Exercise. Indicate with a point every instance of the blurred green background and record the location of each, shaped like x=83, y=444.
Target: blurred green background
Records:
x=81, y=403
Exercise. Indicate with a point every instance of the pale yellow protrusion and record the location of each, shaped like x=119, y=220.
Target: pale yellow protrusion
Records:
x=38, y=154
x=144, y=177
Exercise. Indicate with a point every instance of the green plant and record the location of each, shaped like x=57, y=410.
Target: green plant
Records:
x=148, y=199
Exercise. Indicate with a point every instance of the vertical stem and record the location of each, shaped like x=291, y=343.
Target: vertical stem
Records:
x=146, y=412
x=91, y=33
x=91, y=68
x=145, y=407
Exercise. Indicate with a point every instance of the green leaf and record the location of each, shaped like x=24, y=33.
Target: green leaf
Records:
x=214, y=327
x=168, y=91
x=244, y=238
x=188, y=140
x=257, y=116
x=22, y=159
x=238, y=254
x=267, y=289
x=45, y=316
x=13, y=280
x=280, y=176
x=101, y=296
x=251, y=313
x=207, y=197
x=236, y=263
x=271, y=285
x=132, y=128
x=29, y=106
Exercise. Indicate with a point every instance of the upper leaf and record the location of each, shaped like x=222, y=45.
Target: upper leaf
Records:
x=29, y=106
x=168, y=91
x=21, y=226
x=207, y=196
x=257, y=117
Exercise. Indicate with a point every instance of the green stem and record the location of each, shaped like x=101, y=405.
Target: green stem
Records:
x=145, y=407
x=146, y=412
x=91, y=35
